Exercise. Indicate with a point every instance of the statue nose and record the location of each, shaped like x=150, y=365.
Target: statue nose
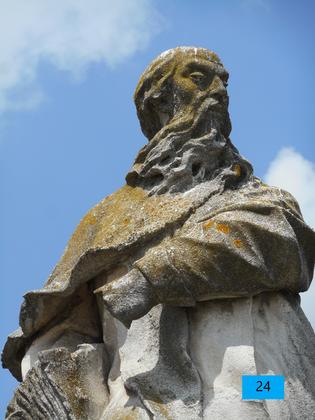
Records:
x=218, y=90
x=218, y=84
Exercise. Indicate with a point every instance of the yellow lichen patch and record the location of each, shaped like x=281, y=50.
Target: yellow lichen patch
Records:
x=126, y=413
x=263, y=185
x=162, y=409
x=238, y=243
x=92, y=220
x=221, y=227
x=237, y=169
x=208, y=224
x=130, y=211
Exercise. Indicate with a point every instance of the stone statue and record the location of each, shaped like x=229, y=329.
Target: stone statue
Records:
x=179, y=283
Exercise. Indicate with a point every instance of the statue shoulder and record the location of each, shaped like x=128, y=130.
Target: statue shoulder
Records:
x=253, y=194
x=117, y=223
x=257, y=189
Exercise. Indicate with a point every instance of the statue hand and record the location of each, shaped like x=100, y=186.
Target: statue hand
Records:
x=129, y=297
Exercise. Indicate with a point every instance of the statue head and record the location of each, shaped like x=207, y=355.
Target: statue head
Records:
x=179, y=86
x=182, y=105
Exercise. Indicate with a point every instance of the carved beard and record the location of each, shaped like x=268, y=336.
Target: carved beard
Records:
x=189, y=150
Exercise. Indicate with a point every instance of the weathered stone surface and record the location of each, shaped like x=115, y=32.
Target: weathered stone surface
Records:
x=63, y=385
x=179, y=283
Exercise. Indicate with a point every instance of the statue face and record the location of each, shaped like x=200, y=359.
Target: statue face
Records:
x=177, y=84
x=194, y=78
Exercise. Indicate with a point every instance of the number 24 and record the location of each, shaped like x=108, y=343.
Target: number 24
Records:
x=260, y=388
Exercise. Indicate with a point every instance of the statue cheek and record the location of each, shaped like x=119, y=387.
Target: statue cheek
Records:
x=185, y=89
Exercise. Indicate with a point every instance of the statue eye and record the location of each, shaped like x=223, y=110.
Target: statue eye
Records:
x=197, y=76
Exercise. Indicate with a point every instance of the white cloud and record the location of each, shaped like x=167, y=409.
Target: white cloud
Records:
x=292, y=172
x=70, y=34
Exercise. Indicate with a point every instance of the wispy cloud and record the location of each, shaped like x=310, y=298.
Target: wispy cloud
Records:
x=70, y=34
x=292, y=172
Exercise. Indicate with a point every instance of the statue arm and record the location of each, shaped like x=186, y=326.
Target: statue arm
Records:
x=237, y=252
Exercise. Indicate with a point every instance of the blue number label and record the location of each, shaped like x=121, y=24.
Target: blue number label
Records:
x=265, y=387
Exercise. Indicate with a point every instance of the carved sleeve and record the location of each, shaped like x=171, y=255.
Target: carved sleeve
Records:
x=239, y=250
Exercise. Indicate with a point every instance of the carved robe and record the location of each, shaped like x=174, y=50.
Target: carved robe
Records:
x=227, y=267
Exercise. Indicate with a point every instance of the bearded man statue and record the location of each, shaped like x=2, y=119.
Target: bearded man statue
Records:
x=179, y=283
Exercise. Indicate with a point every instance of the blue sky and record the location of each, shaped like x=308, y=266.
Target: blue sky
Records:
x=68, y=127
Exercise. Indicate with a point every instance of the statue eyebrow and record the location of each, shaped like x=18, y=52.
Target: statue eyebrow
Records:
x=206, y=66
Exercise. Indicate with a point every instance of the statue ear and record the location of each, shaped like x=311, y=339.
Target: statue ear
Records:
x=154, y=88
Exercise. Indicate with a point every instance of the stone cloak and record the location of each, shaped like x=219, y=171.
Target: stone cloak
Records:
x=121, y=224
